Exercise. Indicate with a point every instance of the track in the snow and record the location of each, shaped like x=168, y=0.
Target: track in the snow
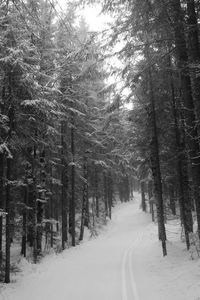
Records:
x=129, y=288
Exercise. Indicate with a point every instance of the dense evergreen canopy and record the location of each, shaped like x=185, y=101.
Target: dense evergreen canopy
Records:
x=69, y=147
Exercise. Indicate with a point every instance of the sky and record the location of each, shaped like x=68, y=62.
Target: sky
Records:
x=95, y=19
x=92, y=14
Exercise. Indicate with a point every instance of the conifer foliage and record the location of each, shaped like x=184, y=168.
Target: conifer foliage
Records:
x=60, y=155
x=69, y=147
x=160, y=52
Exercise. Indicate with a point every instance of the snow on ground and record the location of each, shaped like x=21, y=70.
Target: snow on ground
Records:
x=123, y=263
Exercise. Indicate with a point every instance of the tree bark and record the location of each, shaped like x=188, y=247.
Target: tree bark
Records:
x=72, y=228
x=85, y=200
x=41, y=200
x=150, y=195
x=155, y=161
x=1, y=203
x=110, y=194
x=194, y=56
x=96, y=192
x=34, y=203
x=172, y=200
x=24, y=222
x=51, y=207
x=7, y=206
x=105, y=194
x=64, y=182
x=87, y=211
x=143, y=202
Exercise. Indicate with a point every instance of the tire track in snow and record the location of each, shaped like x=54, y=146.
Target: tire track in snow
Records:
x=128, y=281
x=132, y=280
x=124, y=288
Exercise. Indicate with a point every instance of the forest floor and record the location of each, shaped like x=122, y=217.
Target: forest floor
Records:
x=123, y=263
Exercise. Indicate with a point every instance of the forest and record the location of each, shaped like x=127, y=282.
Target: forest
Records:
x=70, y=147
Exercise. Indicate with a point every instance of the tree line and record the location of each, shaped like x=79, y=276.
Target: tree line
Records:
x=63, y=147
x=69, y=148
x=161, y=55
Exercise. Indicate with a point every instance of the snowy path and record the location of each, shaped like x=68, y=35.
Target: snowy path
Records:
x=123, y=263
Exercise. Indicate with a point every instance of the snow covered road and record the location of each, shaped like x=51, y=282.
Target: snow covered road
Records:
x=123, y=263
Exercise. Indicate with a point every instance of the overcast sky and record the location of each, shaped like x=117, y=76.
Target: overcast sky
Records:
x=93, y=16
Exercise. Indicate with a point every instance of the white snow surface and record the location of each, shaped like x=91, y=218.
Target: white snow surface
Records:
x=123, y=263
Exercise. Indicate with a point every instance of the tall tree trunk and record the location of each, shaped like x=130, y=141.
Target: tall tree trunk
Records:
x=51, y=206
x=105, y=194
x=11, y=116
x=40, y=211
x=57, y=205
x=96, y=191
x=64, y=207
x=172, y=199
x=87, y=211
x=131, y=187
x=1, y=203
x=34, y=207
x=194, y=56
x=24, y=220
x=110, y=194
x=151, y=202
x=85, y=200
x=7, y=206
x=155, y=161
x=72, y=228
x=35, y=252
x=64, y=181
x=126, y=188
x=143, y=202
x=30, y=215
x=41, y=200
